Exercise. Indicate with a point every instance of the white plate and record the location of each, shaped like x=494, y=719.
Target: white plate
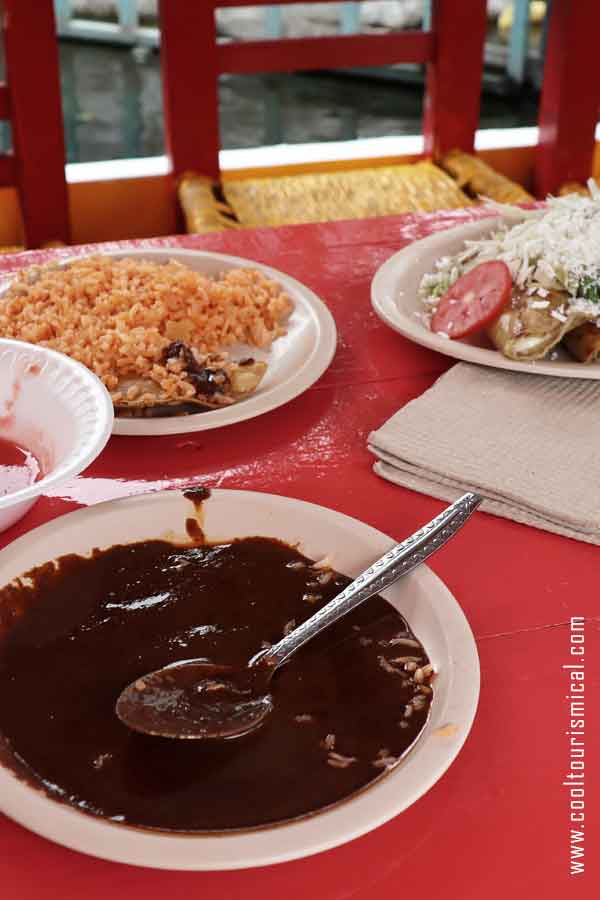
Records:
x=295, y=360
x=421, y=597
x=394, y=294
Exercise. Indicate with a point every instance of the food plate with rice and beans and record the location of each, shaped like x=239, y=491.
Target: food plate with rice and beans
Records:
x=183, y=340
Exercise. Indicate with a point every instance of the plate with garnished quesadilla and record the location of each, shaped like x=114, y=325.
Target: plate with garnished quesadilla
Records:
x=519, y=290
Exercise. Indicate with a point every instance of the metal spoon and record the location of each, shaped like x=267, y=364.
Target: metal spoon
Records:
x=197, y=699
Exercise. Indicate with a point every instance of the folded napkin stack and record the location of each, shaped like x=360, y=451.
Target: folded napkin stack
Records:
x=529, y=444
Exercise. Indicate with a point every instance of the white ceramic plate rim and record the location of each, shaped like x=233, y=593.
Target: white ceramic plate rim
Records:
x=416, y=260
x=422, y=767
x=321, y=353
x=104, y=423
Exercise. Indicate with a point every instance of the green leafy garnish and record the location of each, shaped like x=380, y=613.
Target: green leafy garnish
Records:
x=589, y=288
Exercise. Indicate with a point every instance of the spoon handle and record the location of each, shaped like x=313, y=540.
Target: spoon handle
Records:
x=398, y=561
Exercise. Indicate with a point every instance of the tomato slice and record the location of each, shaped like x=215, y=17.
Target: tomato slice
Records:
x=474, y=301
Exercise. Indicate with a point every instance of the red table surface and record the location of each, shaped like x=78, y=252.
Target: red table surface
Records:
x=497, y=824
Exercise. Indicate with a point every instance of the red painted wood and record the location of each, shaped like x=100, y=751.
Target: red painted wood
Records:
x=7, y=169
x=192, y=62
x=453, y=86
x=570, y=96
x=4, y=102
x=189, y=75
x=32, y=70
x=324, y=52
x=496, y=825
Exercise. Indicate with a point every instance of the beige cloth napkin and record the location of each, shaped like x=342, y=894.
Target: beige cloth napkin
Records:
x=529, y=443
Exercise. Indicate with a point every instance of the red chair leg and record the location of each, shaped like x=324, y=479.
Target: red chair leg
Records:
x=32, y=70
x=190, y=85
x=570, y=96
x=453, y=87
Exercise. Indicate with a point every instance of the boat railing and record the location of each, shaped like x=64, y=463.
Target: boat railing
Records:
x=127, y=29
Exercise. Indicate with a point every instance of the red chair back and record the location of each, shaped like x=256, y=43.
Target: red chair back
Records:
x=570, y=99
x=452, y=52
x=30, y=101
x=192, y=61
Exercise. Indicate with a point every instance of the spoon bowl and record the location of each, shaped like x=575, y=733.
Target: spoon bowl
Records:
x=194, y=699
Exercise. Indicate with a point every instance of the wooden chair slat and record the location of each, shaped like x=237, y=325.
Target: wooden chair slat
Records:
x=34, y=103
x=345, y=51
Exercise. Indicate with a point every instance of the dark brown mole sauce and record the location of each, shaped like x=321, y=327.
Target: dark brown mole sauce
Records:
x=71, y=642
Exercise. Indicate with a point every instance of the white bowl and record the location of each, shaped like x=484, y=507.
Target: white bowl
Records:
x=421, y=597
x=54, y=407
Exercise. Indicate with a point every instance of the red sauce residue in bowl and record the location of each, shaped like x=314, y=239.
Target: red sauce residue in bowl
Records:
x=18, y=468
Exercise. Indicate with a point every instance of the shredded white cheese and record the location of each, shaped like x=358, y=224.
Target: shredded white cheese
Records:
x=555, y=248
x=558, y=315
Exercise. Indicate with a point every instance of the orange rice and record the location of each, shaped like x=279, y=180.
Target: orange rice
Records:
x=117, y=316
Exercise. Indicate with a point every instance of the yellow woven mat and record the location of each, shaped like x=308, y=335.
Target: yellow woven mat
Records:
x=574, y=187
x=478, y=179
x=18, y=248
x=202, y=211
x=329, y=196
